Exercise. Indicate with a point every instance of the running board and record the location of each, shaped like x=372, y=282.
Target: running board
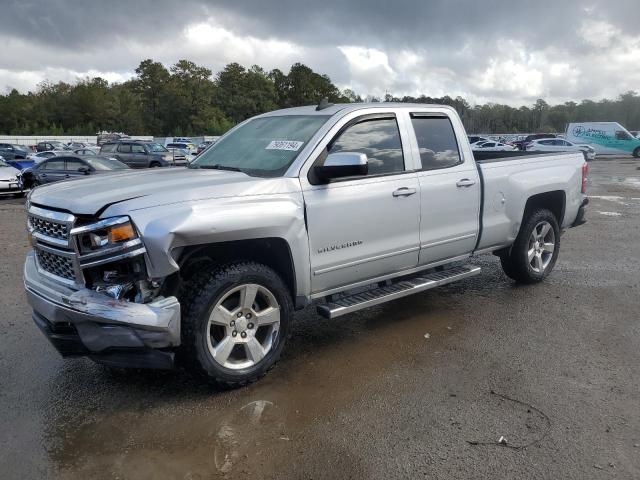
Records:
x=401, y=288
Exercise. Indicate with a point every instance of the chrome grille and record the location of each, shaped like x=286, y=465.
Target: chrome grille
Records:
x=55, y=264
x=49, y=228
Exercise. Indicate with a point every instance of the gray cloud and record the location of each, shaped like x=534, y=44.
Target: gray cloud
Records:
x=494, y=50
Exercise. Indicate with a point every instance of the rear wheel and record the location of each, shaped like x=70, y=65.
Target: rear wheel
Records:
x=235, y=321
x=535, y=251
x=636, y=152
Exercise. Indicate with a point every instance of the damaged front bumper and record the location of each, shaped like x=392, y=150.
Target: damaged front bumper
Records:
x=83, y=322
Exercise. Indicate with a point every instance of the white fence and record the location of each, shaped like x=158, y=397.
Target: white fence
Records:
x=31, y=140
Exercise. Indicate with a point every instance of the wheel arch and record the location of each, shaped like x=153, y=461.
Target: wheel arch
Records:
x=273, y=252
x=555, y=201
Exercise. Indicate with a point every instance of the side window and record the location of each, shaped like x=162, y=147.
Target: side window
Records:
x=57, y=164
x=108, y=147
x=73, y=164
x=620, y=135
x=488, y=145
x=379, y=139
x=137, y=148
x=436, y=142
x=124, y=148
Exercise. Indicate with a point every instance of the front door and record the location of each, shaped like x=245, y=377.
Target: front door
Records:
x=364, y=227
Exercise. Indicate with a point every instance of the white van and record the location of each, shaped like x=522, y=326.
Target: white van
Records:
x=604, y=137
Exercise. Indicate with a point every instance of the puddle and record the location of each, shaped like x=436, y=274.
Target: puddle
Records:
x=610, y=214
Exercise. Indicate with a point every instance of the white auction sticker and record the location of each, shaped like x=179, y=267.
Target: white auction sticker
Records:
x=291, y=145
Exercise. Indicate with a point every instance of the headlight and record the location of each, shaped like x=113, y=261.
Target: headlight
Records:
x=113, y=235
x=110, y=232
x=168, y=158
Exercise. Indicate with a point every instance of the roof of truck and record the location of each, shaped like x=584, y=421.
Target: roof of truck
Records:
x=348, y=107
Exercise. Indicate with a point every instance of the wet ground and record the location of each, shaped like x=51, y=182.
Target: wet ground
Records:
x=367, y=395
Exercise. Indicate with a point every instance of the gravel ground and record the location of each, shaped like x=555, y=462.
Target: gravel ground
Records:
x=552, y=368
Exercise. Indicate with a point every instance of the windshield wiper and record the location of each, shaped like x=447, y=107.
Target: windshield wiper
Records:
x=217, y=166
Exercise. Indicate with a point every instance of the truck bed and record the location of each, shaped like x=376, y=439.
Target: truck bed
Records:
x=510, y=178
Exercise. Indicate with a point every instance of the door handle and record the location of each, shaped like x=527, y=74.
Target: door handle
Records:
x=404, y=192
x=465, y=182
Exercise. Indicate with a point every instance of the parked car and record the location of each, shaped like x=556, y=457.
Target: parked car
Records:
x=189, y=147
x=331, y=204
x=203, y=146
x=40, y=156
x=87, y=151
x=180, y=156
x=494, y=147
x=9, y=178
x=475, y=139
x=140, y=154
x=50, y=145
x=70, y=166
x=560, y=145
x=10, y=151
x=522, y=144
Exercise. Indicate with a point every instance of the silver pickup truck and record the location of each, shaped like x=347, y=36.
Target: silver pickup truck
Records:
x=344, y=206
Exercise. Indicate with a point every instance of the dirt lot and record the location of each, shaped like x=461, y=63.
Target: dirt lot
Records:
x=366, y=396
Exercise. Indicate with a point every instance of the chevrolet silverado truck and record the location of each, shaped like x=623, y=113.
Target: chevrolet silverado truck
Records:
x=342, y=206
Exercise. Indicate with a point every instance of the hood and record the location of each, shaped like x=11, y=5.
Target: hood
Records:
x=138, y=189
x=8, y=172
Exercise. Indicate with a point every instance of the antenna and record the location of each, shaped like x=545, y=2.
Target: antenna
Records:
x=324, y=103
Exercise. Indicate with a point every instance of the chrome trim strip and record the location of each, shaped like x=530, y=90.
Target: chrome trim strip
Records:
x=51, y=215
x=400, y=273
x=107, y=251
x=107, y=222
x=122, y=256
x=364, y=260
x=448, y=240
x=44, y=238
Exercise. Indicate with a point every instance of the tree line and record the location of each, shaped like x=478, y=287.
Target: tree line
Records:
x=187, y=99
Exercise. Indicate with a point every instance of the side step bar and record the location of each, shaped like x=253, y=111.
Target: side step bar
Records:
x=402, y=288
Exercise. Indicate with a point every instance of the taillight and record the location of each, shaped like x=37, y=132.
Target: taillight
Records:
x=585, y=174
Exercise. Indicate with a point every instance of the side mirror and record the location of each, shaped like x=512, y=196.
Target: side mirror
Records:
x=342, y=164
x=84, y=170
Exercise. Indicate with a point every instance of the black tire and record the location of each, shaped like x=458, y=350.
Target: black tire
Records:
x=516, y=263
x=636, y=152
x=198, y=297
x=154, y=165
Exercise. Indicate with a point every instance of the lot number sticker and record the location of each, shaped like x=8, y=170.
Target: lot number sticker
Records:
x=291, y=145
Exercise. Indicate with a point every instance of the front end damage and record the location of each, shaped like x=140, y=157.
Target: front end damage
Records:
x=87, y=282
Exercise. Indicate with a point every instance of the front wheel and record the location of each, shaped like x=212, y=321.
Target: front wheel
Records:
x=636, y=152
x=535, y=251
x=235, y=321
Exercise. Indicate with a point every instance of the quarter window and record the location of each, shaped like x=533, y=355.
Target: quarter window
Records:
x=436, y=142
x=379, y=139
x=108, y=147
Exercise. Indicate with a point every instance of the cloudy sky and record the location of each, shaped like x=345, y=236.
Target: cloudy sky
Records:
x=503, y=51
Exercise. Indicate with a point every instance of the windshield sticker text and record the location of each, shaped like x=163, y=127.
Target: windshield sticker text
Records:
x=291, y=145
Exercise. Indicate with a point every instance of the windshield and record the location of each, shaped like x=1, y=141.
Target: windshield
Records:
x=101, y=163
x=156, y=147
x=264, y=147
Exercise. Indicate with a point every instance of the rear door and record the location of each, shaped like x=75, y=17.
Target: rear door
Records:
x=363, y=227
x=449, y=188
